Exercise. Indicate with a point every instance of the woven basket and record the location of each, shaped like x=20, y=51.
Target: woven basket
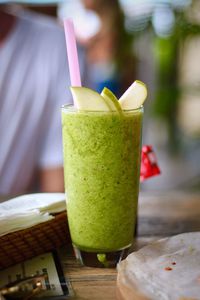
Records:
x=21, y=245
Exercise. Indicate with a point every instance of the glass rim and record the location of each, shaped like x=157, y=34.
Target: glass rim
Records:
x=71, y=108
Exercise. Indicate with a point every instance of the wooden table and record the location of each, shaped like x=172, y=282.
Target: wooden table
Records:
x=161, y=214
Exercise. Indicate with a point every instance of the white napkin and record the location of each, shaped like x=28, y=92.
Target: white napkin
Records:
x=28, y=210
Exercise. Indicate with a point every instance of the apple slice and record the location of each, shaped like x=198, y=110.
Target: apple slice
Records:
x=134, y=96
x=111, y=100
x=87, y=99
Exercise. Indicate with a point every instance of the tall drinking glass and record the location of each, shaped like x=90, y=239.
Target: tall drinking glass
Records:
x=101, y=167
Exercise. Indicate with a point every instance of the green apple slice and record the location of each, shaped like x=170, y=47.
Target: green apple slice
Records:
x=134, y=96
x=111, y=100
x=87, y=99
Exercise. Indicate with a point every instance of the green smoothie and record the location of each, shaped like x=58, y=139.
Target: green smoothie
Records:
x=101, y=165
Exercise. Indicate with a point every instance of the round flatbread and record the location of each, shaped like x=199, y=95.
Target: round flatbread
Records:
x=167, y=269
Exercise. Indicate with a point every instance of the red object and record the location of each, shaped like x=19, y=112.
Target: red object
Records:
x=168, y=269
x=149, y=166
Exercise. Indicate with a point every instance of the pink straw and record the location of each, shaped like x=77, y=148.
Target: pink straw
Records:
x=74, y=69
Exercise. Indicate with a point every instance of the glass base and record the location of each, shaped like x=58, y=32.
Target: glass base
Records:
x=100, y=259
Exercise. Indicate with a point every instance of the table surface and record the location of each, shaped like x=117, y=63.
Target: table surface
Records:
x=160, y=214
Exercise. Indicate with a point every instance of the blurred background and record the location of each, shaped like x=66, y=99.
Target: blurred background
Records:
x=157, y=42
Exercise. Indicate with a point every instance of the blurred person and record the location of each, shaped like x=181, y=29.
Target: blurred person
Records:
x=33, y=86
x=109, y=51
